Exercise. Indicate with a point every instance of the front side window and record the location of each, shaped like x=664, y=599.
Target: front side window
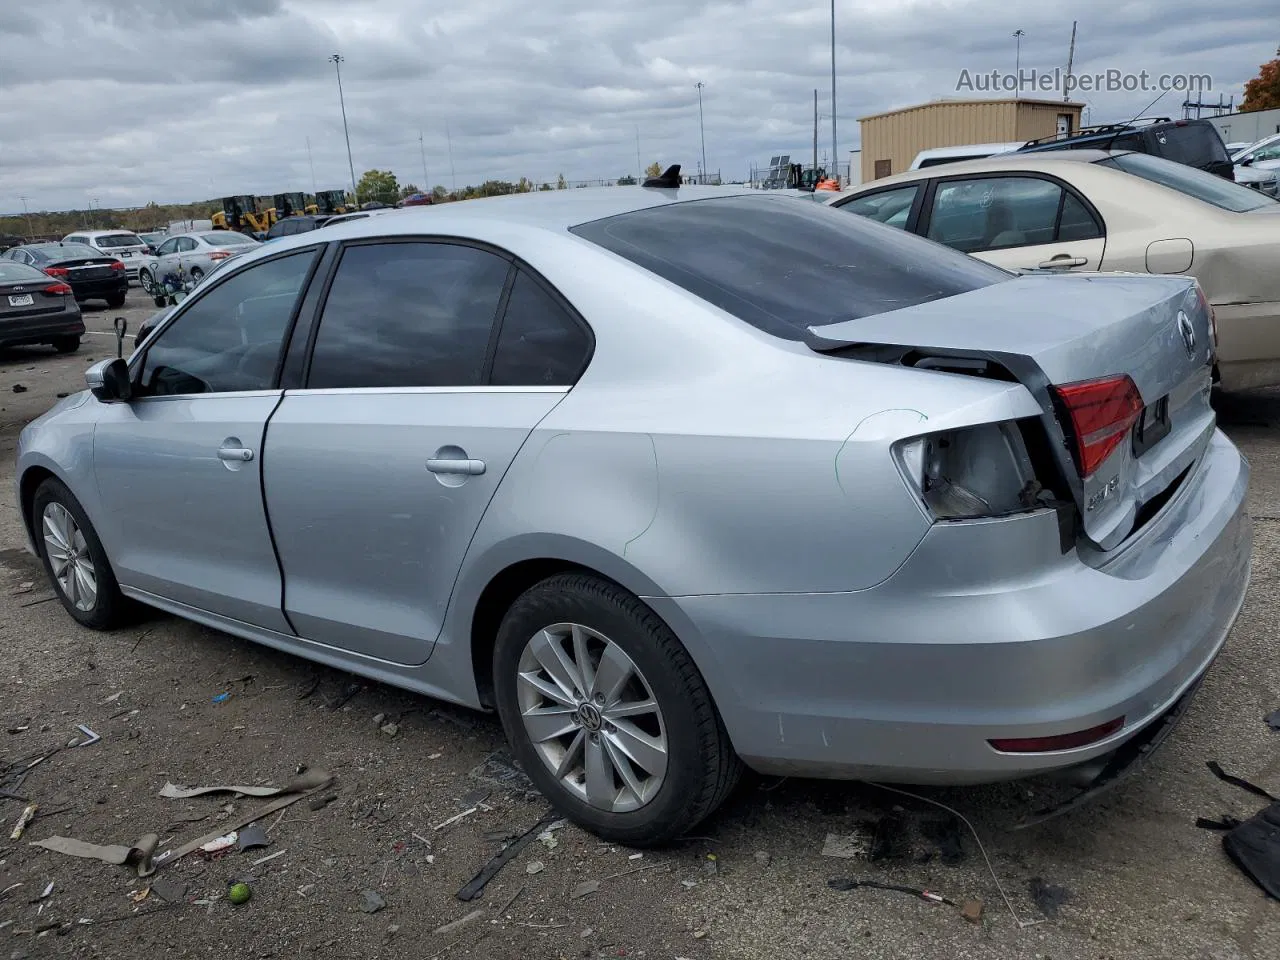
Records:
x=891, y=207
x=990, y=213
x=229, y=339
x=186, y=244
x=169, y=246
x=1206, y=187
x=540, y=344
x=413, y=314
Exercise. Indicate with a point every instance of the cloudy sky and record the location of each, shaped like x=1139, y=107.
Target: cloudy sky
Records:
x=126, y=101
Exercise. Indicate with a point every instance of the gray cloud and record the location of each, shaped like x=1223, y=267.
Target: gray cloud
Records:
x=137, y=100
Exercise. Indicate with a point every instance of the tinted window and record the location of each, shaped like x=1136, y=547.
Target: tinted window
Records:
x=1195, y=144
x=74, y=239
x=226, y=238
x=1076, y=222
x=113, y=240
x=11, y=272
x=408, y=315
x=541, y=344
x=169, y=246
x=68, y=251
x=1194, y=183
x=230, y=338
x=889, y=206
x=989, y=213
x=784, y=266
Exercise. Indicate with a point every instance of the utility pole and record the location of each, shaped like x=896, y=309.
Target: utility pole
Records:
x=1017, y=69
x=453, y=177
x=639, y=163
x=1071, y=56
x=702, y=130
x=311, y=163
x=31, y=231
x=336, y=59
x=815, y=135
x=426, y=186
x=834, y=151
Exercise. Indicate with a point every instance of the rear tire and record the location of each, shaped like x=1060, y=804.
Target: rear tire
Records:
x=74, y=559
x=197, y=275
x=147, y=283
x=663, y=715
x=116, y=301
x=67, y=344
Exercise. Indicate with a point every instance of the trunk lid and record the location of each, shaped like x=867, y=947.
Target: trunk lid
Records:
x=87, y=268
x=1050, y=331
x=21, y=290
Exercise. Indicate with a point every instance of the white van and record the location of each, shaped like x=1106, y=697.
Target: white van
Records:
x=973, y=151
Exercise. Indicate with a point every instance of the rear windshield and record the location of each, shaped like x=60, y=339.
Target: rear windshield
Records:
x=226, y=238
x=13, y=272
x=1208, y=187
x=68, y=251
x=782, y=265
x=119, y=240
x=1195, y=144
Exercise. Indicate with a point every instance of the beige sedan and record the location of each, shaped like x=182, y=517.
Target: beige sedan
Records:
x=1093, y=210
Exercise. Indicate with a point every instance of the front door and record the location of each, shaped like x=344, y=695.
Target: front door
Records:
x=179, y=466
x=379, y=471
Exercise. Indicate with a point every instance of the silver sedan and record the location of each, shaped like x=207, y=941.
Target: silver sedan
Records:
x=676, y=480
x=191, y=256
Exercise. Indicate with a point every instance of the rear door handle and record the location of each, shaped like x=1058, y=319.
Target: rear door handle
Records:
x=1063, y=261
x=469, y=468
x=235, y=454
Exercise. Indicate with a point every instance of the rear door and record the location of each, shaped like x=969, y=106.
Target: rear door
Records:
x=179, y=467
x=1016, y=221
x=380, y=468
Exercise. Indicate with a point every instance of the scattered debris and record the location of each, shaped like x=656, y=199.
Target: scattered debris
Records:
x=9, y=889
x=474, y=798
x=270, y=856
x=219, y=845
x=474, y=914
x=25, y=587
x=850, y=846
x=1272, y=719
x=390, y=729
x=584, y=889
x=455, y=818
x=371, y=901
x=547, y=837
x=843, y=884
x=699, y=934
x=319, y=803
x=111, y=699
x=636, y=856
x=221, y=698
x=688, y=884
x=239, y=893
x=500, y=770
x=138, y=855
x=587, y=934
x=19, y=388
x=170, y=891
x=26, y=817
x=252, y=836
x=475, y=887
x=763, y=858
x=972, y=911
x=1254, y=844
x=710, y=866
x=1048, y=898
x=307, y=780
x=47, y=890
x=349, y=691
x=379, y=719
x=537, y=866
x=510, y=900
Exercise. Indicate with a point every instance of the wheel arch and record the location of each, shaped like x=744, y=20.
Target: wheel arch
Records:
x=28, y=484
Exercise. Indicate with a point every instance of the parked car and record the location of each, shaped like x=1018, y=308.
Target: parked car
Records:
x=1263, y=155
x=359, y=215
x=712, y=477
x=1195, y=143
x=1258, y=178
x=1092, y=210
x=36, y=308
x=936, y=156
x=153, y=240
x=91, y=274
x=153, y=321
x=126, y=247
x=294, y=225
x=193, y=255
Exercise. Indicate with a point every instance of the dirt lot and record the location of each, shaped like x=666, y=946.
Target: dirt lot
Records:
x=1128, y=876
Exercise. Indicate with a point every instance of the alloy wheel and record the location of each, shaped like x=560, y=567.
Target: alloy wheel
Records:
x=69, y=559
x=592, y=717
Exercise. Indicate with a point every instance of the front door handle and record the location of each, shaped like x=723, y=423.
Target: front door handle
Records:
x=235, y=454
x=1063, y=260
x=469, y=468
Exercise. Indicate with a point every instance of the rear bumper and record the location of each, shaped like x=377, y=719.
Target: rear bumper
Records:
x=1248, y=345
x=96, y=289
x=986, y=632
x=42, y=329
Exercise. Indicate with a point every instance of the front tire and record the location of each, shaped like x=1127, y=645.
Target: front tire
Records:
x=147, y=282
x=607, y=713
x=74, y=559
x=197, y=275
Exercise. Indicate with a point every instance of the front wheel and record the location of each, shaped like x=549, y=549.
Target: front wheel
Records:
x=608, y=714
x=74, y=559
x=197, y=275
x=148, y=283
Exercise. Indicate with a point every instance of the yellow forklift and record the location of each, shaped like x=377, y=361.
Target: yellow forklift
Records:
x=330, y=203
x=289, y=205
x=241, y=214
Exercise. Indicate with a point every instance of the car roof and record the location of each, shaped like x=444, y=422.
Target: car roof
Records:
x=963, y=150
x=53, y=245
x=1046, y=162
x=101, y=233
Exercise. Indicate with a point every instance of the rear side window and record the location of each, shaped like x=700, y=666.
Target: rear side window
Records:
x=1196, y=145
x=782, y=265
x=888, y=206
x=540, y=344
x=408, y=315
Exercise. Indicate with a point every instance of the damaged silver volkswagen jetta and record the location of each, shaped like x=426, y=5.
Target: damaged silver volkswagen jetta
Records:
x=676, y=480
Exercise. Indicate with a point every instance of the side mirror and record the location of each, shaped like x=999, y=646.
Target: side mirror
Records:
x=109, y=381
x=1247, y=162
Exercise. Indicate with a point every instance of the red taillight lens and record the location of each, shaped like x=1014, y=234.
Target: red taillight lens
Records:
x=57, y=271
x=57, y=289
x=1063, y=741
x=219, y=255
x=117, y=265
x=1102, y=413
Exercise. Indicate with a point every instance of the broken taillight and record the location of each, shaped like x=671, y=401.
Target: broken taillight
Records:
x=1102, y=413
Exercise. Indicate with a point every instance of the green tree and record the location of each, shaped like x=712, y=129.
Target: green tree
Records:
x=439, y=193
x=561, y=183
x=524, y=186
x=379, y=185
x=546, y=186
x=1263, y=91
x=408, y=190
x=653, y=170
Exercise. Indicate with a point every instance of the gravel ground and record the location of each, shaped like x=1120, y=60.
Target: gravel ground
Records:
x=1128, y=876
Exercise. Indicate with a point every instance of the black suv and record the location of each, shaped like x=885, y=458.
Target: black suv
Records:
x=1193, y=142
x=289, y=226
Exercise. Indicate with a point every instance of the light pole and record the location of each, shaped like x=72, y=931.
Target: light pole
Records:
x=702, y=131
x=835, y=164
x=1017, y=69
x=336, y=59
x=31, y=231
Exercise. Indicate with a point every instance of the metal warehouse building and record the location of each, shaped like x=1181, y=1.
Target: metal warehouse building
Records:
x=890, y=141
x=1247, y=127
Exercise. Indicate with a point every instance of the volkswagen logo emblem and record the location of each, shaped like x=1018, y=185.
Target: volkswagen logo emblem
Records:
x=1188, y=333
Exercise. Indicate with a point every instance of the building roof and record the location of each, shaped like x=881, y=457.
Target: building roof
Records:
x=965, y=101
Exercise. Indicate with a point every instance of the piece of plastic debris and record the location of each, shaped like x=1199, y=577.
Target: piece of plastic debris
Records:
x=24, y=819
x=763, y=858
x=844, y=884
x=252, y=836
x=112, y=699
x=475, y=886
x=584, y=889
x=308, y=780
x=222, y=698
x=19, y=388
x=239, y=893
x=379, y=719
x=848, y=846
x=636, y=856
x=305, y=889
x=688, y=884
x=47, y=890
x=587, y=934
x=371, y=902
x=168, y=890
x=270, y=856
x=390, y=729
x=537, y=866
x=219, y=846
x=319, y=803
x=137, y=896
x=455, y=818
x=454, y=925
x=699, y=934
x=972, y=911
